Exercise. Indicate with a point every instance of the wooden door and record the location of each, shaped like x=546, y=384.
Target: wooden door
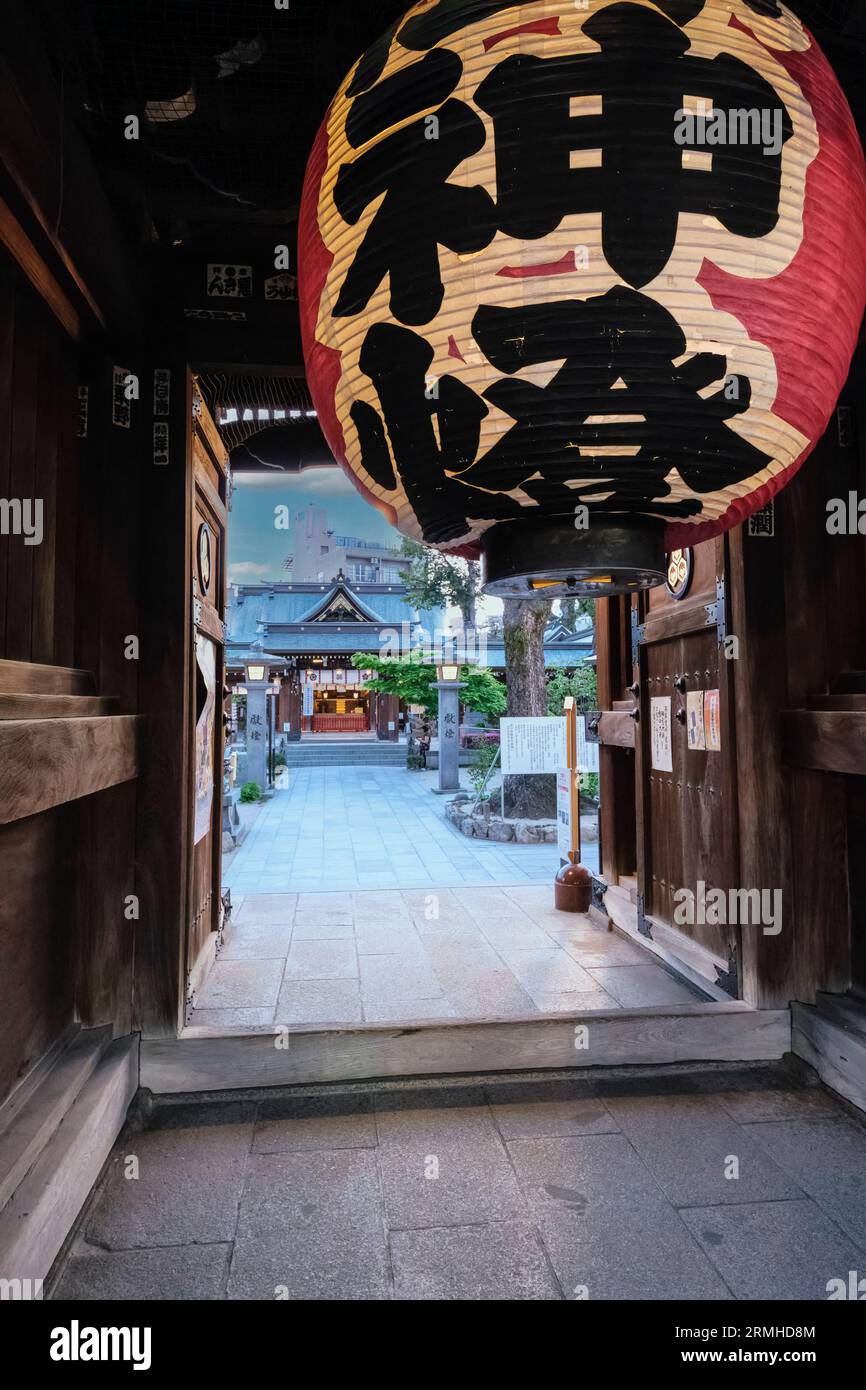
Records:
x=207, y=674
x=686, y=808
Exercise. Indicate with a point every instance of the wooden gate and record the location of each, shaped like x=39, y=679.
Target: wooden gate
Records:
x=207, y=670
x=673, y=801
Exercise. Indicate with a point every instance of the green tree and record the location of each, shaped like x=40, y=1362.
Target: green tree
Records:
x=435, y=580
x=412, y=679
x=524, y=622
x=581, y=684
x=573, y=612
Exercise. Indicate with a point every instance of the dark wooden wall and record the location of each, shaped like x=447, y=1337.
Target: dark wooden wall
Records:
x=37, y=459
x=66, y=947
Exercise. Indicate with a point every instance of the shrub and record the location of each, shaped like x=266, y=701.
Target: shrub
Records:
x=251, y=791
x=484, y=751
x=589, y=786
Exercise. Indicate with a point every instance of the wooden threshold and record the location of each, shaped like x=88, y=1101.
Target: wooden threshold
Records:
x=48, y=762
x=214, y=1060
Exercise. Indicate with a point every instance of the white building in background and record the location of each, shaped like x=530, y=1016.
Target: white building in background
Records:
x=320, y=553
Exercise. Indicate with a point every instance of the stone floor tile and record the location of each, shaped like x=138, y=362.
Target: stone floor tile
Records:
x=257, y=941
x=409, y=1010
x=607, y=1228
x=550, y=971
x=644, y=986
x=267, y=907
x=241, y=984
x=322, y=960
x=688, y=1143
x=385, y=979
x=755, y=1106
x=319, y=1001
x=547, y=1109
x=311, y=924
x=233, y=1019
x=827, y=1158
x=502, y=1261
x=310, y=1228
x=774, y=1250
x=442, y=1161
x=315, y=1123
x=187, y=1191
x=177, y=1273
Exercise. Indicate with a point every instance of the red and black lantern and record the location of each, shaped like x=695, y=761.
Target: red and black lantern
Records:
x=581, y=283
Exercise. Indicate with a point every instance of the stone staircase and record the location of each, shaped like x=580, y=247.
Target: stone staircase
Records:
x=367, y=753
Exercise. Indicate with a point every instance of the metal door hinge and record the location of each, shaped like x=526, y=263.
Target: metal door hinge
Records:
x=729, y=980
x=638, y=635
x=599, y=888
x=717, y=614
x=643, y=924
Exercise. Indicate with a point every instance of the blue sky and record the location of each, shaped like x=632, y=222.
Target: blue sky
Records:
x=257, y=549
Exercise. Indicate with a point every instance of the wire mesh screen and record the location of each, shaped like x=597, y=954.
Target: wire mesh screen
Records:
x=229, y=92
x=244, y=406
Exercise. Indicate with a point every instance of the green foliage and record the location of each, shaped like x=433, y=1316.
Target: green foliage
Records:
x=581, y=684
x=574, y=611
x=411, y=678
x=435, y=580
x=589, y=785
x=251, y=791
x=280, y=760
x=483, y=755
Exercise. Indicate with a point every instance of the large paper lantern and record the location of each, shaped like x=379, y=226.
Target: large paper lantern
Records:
x=581, y=282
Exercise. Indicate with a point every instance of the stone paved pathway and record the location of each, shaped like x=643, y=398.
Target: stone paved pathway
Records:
x=521, y=1190
x=424, y=953
x=373, y=827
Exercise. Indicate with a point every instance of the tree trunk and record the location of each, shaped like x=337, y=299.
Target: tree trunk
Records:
x=469, y=605
x=524, y=624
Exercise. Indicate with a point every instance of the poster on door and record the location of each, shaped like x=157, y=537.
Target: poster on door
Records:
x=712, y=721
x=661, y=744
x=695, y=720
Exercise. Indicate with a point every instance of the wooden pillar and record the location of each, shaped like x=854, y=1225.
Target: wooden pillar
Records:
x=165, y=791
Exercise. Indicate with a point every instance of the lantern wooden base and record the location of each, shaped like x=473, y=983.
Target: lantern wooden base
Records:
x=614, y=555
x=573, y=889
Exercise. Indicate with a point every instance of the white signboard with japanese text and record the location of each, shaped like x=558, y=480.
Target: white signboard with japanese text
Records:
x=660, y=733
x=532, y=745
x=587, y=753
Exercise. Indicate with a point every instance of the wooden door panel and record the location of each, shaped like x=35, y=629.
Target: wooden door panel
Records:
x=687, y=806
x=208, y=521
